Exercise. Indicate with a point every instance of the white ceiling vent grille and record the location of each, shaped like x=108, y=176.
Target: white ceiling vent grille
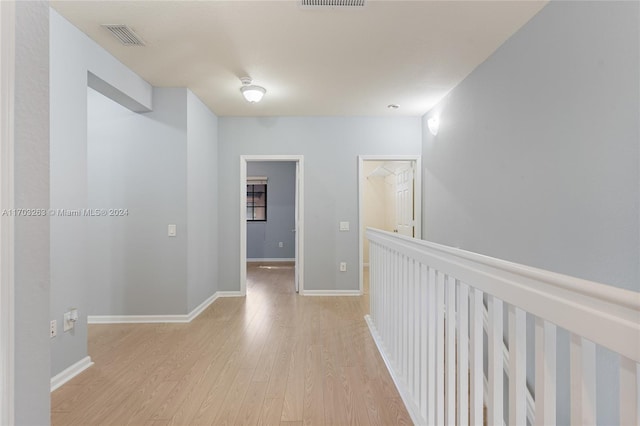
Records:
x=124, y=34
x=333, y=3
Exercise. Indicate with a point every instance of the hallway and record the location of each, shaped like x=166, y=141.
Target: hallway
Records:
x=271, y=358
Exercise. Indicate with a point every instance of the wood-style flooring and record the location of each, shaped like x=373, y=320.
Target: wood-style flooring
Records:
x=272, y=358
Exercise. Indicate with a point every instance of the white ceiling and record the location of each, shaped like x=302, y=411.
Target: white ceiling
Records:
x=312, y=61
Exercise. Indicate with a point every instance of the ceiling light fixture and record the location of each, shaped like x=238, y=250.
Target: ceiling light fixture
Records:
x=251, y=93
x=433, y=124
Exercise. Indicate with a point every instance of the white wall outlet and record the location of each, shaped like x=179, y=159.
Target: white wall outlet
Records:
x=53, y=328
x=172, y=230
x=343, y=266
x=344, y=226
x=280, y=244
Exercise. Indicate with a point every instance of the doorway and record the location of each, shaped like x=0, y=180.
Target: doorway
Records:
x=389, y=198
x=254, y=205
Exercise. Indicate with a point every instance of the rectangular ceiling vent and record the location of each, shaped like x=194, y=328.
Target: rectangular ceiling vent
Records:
x=332, y=3
x=124, y=34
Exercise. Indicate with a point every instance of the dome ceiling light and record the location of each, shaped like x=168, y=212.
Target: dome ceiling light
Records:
x=251, y=93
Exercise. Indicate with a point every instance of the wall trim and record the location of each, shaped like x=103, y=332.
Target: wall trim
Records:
x=7, y=283
x=230, y=293
x=170, y=318
x=414, y=411
x=331, y=293
x=135, y=319
x=270, y=259
x=70, y=372
x=201, y=307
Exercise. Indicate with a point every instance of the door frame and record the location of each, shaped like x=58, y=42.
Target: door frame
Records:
x=299, y=205
x=417, y=200
x=7, y=284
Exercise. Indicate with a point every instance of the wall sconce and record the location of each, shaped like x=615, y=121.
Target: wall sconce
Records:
x=433, y=124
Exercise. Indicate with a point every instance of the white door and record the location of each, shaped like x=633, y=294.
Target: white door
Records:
x=404, y=201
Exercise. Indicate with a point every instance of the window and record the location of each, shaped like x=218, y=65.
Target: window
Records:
x=256, y=199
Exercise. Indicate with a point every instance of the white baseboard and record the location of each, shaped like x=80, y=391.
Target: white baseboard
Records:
x=201, y=307
x=270, y=259
x=331, y=293
x=229, y=293
x=125, y=319
x=70, y=372
x=180, y=318
x=414, y=411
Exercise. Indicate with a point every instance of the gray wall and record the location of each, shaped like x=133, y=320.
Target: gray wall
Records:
x=31, y=188
x=72, y=55
x=162, y=167
x=537, y=158
x=138, y=162
x=202, y=201
x=263, y=237
x=330, y=146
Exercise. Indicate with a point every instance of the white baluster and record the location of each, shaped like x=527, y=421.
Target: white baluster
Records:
x=583, y=381
x=517, y=366
x=395, y=300
x=629, y=392
x=419, y=324
x=545, y=388
x=424, y=328
x=475, y=367
x=440, y=348
x=403, y=318
x=408, y=355
x=496, y=362
x=463, y=354
x=382, y=294
x=388, y=299
x=373, y=264
x=386, y=306
x=431, y=367
x=450, y=351
x=379, y=287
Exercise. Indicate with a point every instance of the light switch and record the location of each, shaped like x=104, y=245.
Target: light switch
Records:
x=171, y=230
x=344, y=226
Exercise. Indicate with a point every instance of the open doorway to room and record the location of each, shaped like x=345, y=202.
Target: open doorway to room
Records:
x=271, y=223
x=389, y=198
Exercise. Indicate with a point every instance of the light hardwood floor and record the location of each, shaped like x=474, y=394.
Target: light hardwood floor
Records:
x=272, y=358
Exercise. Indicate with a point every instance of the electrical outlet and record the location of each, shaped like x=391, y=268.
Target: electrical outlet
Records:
x=53, y=328
x=280, y=244
x=343, y=266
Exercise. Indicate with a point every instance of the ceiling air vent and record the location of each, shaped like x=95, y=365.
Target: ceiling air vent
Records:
x=333, y=3
x=125, y=35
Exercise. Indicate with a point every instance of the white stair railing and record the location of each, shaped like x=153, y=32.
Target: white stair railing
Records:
x=427, y=309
